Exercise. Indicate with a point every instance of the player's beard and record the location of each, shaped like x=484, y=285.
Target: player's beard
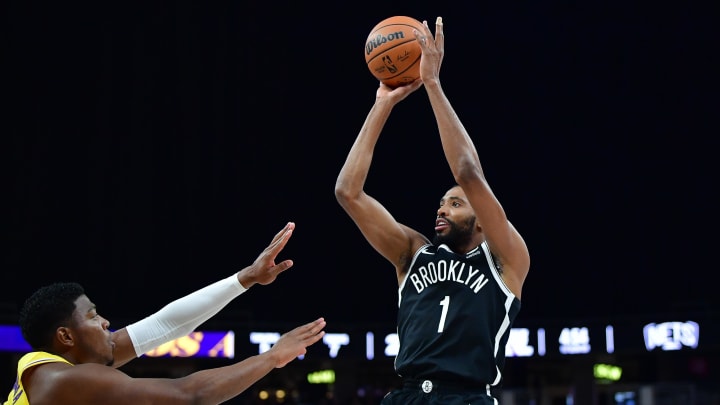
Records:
x=457, y=235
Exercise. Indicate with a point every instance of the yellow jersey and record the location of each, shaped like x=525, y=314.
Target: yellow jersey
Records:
x=17, y=395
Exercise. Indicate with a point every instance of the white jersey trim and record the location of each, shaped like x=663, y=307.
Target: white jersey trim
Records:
x=422, y=249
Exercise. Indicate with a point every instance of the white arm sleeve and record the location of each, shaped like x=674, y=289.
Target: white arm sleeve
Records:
x=180, y=317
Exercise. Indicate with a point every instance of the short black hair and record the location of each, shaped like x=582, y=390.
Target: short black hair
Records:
x=47, y=309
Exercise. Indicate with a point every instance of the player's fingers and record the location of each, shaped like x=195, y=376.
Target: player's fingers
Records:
x=315, y=329
x=439, y=34
x=281, y=233
x=282, y=239
x=421, y=37
x=314, y=338
x=283, y=265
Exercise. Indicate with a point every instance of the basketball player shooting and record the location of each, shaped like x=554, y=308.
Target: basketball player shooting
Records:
x=459, y=293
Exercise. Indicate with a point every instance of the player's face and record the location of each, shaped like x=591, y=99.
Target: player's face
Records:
x=455, y=221
x=91, y=336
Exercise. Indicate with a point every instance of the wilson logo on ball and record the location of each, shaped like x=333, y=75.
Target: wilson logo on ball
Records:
x=379, y=40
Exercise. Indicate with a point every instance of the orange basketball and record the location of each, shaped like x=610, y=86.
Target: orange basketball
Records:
x=391, y=51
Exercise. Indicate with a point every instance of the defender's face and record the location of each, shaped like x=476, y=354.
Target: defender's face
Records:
x=91, y=334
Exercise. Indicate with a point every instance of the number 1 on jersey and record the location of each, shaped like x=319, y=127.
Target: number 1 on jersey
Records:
x=445, y=304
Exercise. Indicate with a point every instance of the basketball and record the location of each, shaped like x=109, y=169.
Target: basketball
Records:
x=392, y=52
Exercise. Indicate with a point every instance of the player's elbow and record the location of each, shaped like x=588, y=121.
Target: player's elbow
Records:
x=350, y=200
x=344, y=194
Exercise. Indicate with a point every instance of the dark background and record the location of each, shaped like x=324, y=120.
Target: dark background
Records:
x=153, y=149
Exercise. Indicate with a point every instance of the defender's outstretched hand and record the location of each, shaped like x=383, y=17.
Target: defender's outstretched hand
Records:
x=264, y=270
x=294, y=343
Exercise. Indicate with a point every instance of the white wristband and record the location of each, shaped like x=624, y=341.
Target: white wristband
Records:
x=180, y=317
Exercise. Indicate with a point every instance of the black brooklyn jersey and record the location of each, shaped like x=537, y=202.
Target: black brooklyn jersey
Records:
x=454, y=317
